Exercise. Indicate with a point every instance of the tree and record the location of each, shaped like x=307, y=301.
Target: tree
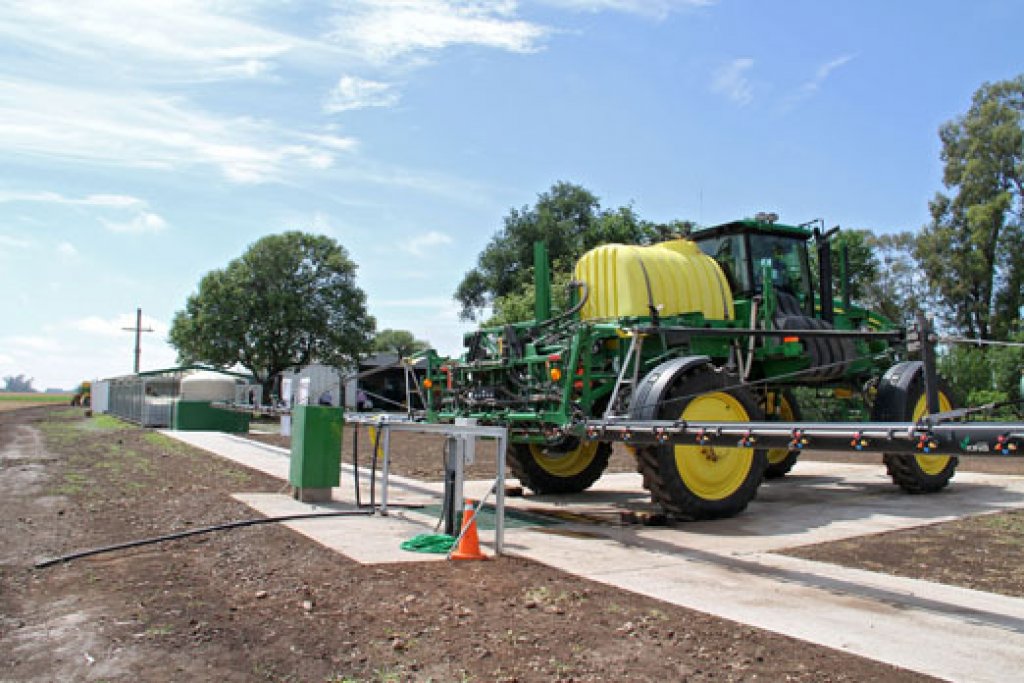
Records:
x=971, y=251
x=569, y=220
x=20, y=383
x=400, y=342
x=289, y=300
x=897, y=288
x=861, y=263
x=985, y=374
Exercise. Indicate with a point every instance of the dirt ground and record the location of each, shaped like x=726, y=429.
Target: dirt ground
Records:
x=264, y=603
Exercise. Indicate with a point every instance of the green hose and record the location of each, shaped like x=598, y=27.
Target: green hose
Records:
x=438, y=544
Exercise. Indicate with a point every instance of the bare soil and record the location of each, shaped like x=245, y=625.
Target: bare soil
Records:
x=264, y=603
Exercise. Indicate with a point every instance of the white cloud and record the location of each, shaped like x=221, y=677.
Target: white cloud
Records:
x=823, y=72
x=731, y=80
x=117, y=201
x=142, y=222
x=658, y=9
x=332, y=142
x=67, y=250
x=99, y=97
x=419, y=246
x=382, y=32
x=148, y=131
x=14, y=242
x=810, y=87
x=174, y=40
x=352, y=92
x=114, y=327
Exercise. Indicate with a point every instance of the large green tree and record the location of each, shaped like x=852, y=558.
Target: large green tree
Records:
x=972, y=251
x=569, y=220
x=861, y=263
x=289, y=300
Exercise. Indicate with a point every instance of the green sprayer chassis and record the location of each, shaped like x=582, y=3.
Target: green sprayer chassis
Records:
x=693, y=353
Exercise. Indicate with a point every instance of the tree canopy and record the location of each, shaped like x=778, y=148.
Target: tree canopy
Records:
x=971, y=251
x=290, y=299
x=569, y=220
x=897, y=287
x=400, y=342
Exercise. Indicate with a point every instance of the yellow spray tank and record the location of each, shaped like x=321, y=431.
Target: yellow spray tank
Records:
x=675, y=277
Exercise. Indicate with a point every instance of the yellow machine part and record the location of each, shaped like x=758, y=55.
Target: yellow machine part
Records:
x=682, y=279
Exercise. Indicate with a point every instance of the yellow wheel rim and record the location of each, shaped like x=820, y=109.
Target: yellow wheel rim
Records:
x=931, y=464
x=784, y=411
x=565, y=463
x=714, y=473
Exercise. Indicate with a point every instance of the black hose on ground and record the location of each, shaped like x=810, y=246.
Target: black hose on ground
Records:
x=196, y=532
x=210, y=529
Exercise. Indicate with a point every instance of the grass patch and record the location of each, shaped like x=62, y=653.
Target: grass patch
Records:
x=169, y=445
x=67, y=413
x=29, y=397
x=104, y=423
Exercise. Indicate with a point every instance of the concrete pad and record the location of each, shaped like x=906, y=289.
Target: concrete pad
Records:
x=264, y=458
x=366, y=539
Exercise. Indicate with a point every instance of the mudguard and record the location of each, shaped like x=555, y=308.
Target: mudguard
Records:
x=891, y=401
x=647, y=396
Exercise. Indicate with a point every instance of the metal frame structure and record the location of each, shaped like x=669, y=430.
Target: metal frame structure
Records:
x=464, y=437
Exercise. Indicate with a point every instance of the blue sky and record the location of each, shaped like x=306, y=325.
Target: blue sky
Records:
x=143, y=144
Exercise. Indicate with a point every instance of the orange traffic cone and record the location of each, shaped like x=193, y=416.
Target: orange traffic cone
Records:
x=469, y=543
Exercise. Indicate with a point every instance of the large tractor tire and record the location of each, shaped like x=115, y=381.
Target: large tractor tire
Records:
x=698, y=481
x=568, y=467
x=901, y=398
x=785, y=409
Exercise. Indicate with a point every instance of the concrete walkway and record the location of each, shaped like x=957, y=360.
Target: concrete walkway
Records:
x=728, y=567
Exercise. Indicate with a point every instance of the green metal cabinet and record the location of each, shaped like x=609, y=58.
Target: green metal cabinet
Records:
x=316, y=447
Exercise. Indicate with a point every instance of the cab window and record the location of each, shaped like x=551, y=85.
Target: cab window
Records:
x=787, y=258
x=731, y=253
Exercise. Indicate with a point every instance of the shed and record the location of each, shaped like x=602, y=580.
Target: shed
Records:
x=147, y=398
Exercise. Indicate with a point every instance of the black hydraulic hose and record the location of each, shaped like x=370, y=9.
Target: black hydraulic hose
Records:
x=572, y=311
x=196, y=532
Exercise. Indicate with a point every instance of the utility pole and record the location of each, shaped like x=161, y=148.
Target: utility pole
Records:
x=138, y=330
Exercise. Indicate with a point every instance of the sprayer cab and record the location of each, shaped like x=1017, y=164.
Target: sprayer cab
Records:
x=759, y=254
x=748, y=251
